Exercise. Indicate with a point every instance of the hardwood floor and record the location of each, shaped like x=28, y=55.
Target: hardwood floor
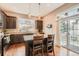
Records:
x=15, y=50
x=19, y=50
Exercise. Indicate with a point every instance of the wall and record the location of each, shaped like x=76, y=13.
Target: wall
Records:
x=51, y=18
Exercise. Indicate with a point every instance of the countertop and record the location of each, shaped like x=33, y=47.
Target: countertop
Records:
x=7, y=34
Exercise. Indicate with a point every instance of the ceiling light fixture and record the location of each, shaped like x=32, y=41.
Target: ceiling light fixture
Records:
x=39, y=11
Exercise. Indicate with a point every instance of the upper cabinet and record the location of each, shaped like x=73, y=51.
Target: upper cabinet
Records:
x=39, y=25
x=10, y=22
x=2, y=19
x=7, y=22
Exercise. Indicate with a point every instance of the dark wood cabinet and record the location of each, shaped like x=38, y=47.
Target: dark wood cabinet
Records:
x=10, y=22
x=39, y=25
x=2, y=19
x=7, y=22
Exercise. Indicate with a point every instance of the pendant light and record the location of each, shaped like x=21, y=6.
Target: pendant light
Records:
x=39, y=11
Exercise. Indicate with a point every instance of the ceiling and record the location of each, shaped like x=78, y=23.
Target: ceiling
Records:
x=32, y=8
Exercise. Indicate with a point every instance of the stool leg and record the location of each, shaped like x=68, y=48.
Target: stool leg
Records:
x=53, y=53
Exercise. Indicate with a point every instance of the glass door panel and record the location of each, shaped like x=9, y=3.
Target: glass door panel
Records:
x=63, y=32
x=74, y=40
x=69, y=34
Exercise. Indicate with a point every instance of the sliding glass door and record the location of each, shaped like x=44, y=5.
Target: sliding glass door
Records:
x=63, y=32
x=74, y=35
x=69, y=34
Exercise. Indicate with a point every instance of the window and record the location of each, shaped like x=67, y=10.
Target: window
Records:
x=26, y=25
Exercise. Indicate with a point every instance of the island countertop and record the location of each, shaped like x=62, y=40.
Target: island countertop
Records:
x=7, y=34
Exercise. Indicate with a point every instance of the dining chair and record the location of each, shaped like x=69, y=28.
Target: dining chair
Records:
x=50, y=44
x=37, y=49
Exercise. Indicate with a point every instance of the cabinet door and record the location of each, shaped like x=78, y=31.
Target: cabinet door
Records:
x=2, y=19
x=39, y=25
x=11, y=22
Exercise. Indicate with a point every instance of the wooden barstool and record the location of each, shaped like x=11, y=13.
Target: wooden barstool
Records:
x=37, y=49
x=50, y=44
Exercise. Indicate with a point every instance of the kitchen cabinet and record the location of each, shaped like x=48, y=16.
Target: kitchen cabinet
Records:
x=7, y=22
x=2, y=19
x=11, y=22
x=39, y=25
